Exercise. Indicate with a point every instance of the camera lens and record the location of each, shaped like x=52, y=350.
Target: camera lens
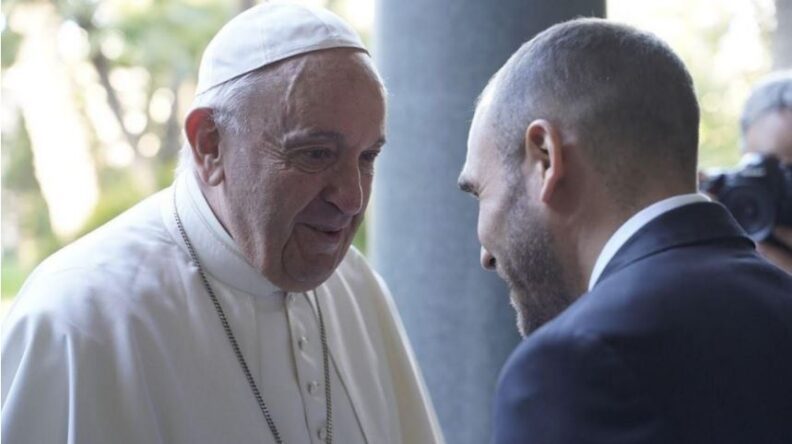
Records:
x=753, y=209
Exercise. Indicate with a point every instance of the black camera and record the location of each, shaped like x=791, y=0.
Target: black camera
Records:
x=758, y=193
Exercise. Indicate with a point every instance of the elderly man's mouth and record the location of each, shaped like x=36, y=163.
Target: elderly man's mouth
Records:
x=327, y=233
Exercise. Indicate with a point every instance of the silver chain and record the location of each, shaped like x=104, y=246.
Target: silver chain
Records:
x=238, y=352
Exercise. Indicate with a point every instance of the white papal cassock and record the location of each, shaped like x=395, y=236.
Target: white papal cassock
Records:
x=115, y=340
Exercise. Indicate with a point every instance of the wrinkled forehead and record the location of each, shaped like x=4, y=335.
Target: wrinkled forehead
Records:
x=337, y=81
x=330, y=67
x=292, y=90
x=315, y=68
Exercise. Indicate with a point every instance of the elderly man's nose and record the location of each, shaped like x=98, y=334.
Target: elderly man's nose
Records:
x=346, y=193
x=487, y=259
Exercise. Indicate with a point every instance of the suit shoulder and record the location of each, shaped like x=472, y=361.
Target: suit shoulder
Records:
x=566, y=387
x=673, y=289
x=550, y=349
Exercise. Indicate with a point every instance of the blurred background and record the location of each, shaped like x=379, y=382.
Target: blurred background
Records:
x=94, y=93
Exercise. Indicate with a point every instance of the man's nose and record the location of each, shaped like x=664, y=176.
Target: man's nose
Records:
x=346, y=191
x=487, y=260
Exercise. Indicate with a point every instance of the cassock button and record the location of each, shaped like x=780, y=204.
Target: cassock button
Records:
x=322, y=433
x=302, y=342
x=313, y=387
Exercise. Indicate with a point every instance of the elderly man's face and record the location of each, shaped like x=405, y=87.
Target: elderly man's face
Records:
x=297, y=184
x=515, y=238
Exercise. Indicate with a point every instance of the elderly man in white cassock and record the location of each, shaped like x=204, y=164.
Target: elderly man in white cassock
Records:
x=230, y=308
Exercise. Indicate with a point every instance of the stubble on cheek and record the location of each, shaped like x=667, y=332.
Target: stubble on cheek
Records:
x=534, y=273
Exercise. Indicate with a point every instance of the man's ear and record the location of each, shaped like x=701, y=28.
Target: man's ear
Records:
x=204, y=139
x=543, y=151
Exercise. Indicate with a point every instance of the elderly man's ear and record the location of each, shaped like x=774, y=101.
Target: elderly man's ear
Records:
x=544, y=156
x=204, y=140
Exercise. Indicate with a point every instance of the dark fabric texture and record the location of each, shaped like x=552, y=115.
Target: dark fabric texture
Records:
x=686, y=338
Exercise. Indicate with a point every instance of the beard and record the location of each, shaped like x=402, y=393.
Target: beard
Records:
x=531, y=268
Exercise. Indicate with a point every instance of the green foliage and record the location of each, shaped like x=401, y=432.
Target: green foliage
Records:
x=168, y=36
x=17, y=163
x=118, y=193
x=164, y=172
x=360, y=239
x=13, y=276
x=163, y=37
x=20, y=186
x=9, y=45
x=28, y=212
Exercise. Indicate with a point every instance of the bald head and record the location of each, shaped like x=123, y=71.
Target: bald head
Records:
x=624, y=94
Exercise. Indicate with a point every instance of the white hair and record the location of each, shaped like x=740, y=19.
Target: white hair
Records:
x=226, y=101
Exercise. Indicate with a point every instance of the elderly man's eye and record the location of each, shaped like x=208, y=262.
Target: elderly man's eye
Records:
x=369, y=156
x=318, y=154
x=313, y=159
x=367, y=159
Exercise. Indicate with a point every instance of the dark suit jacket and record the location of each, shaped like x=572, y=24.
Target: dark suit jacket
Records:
x=686, y=338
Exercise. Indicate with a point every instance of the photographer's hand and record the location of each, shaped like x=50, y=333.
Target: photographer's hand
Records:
x=780, y=251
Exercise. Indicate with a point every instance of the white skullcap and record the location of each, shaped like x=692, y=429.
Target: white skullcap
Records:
x=268, y=33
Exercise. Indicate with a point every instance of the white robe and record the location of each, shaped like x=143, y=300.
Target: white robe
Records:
x=114, y=340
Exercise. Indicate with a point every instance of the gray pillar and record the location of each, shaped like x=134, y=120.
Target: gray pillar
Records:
x=782, y=37
x=435, y=57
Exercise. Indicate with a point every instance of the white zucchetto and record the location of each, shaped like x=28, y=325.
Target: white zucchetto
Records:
x=268, y=33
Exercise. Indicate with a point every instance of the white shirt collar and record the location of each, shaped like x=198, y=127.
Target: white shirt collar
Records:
x=218, y=253
x=635, y=223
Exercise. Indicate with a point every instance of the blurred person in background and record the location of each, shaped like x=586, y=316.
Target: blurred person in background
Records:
x=766, y=128
x=230, y=306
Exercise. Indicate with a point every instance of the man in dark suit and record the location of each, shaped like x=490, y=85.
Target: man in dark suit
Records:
x=648, y=315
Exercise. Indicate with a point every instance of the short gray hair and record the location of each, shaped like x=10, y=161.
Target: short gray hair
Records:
x=625, y=92
x=227, y=102
x=772, y=94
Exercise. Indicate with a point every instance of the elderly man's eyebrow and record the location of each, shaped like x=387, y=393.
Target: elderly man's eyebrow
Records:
x=297, y=138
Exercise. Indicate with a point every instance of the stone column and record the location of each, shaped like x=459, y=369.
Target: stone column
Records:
x=435, y=57
x=782, y=37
